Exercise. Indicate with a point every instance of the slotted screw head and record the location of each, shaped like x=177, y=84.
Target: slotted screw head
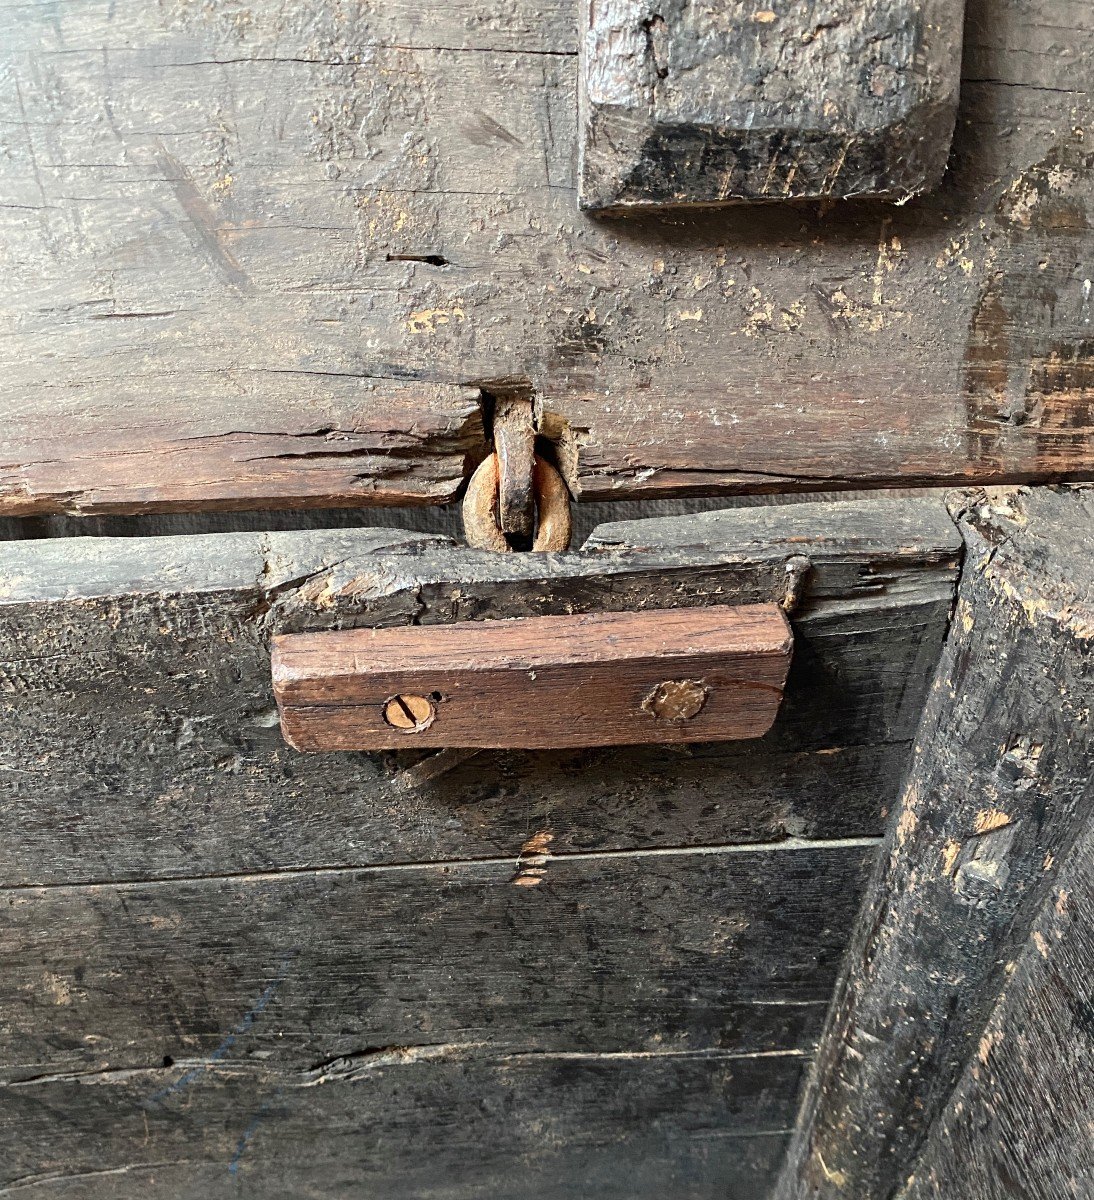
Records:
x=410, y=714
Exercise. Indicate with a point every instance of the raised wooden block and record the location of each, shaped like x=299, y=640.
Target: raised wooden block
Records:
x=594, y=679
x=687, y=104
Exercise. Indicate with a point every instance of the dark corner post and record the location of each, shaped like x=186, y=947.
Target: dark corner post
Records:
x=993, y=801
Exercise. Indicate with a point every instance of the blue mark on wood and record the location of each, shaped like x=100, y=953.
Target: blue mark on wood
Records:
x=249, y=1132
x=230, y=1039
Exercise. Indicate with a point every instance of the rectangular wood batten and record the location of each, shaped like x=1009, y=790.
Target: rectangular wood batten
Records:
x=590, y=679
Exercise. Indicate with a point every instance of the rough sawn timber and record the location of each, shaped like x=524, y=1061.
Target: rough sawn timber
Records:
x=135, y=696
x=233, y=969
x=692, y=104
x=266, y=255
x=998, y=791
x=709, y=948
x=426, y=1123
x=1021, y=1120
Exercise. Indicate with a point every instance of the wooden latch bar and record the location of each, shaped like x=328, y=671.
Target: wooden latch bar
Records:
x=593, y=679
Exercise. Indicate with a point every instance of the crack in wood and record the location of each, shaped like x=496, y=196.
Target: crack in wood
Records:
x=789, y=844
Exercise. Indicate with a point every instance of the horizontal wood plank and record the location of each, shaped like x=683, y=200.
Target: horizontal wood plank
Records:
x=592, y=679
x=443, y=1122
x=687, y=950
x=140, y=739
x=262, y=262
x=382, y=441
x=264, y=1024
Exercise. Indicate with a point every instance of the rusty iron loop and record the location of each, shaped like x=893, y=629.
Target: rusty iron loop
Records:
x=480, y=521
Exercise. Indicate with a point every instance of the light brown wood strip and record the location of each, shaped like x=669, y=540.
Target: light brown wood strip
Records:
x=592, y=679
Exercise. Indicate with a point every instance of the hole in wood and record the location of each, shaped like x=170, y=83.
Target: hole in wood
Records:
x=433, y=260
x=505, y=399
x=676, y=700
x=410, y=714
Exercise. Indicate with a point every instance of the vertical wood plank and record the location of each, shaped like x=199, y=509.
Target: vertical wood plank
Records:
x=1021, y=1120
x=995, y=796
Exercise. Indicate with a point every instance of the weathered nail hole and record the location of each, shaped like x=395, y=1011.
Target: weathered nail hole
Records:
x=432, y=260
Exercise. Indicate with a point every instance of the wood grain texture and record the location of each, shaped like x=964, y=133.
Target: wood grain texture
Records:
x=688, y=949
x=513, y=433
x=382, y=442
x=231, y=968
x=432, y=1123
x=139, y=733
x=259, y=258
x=683, y=988
x=1020, y=1121
x=592, y=679
x=998, y=790
x=685, y=104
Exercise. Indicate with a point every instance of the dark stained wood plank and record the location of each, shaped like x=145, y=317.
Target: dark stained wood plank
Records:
x=222, y=233
x=704, y=971
x=1019, y=1122
x=851, y=543
x=694, y=949
x=591, y=679
x=139, y=733
x=686, y=104
x=997, y=792
x=638, y=1017
x=442, y=1122
x=437, y=519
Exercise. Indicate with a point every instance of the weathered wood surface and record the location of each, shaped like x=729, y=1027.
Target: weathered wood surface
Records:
x=253, y=255
x=304, y=969
x=590, y=679
x=437, y=1123
x=140, y=740
x=1021, y=1120
x=733, y=948
x=999, y=787
x=686, y=104
x=440, y=519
